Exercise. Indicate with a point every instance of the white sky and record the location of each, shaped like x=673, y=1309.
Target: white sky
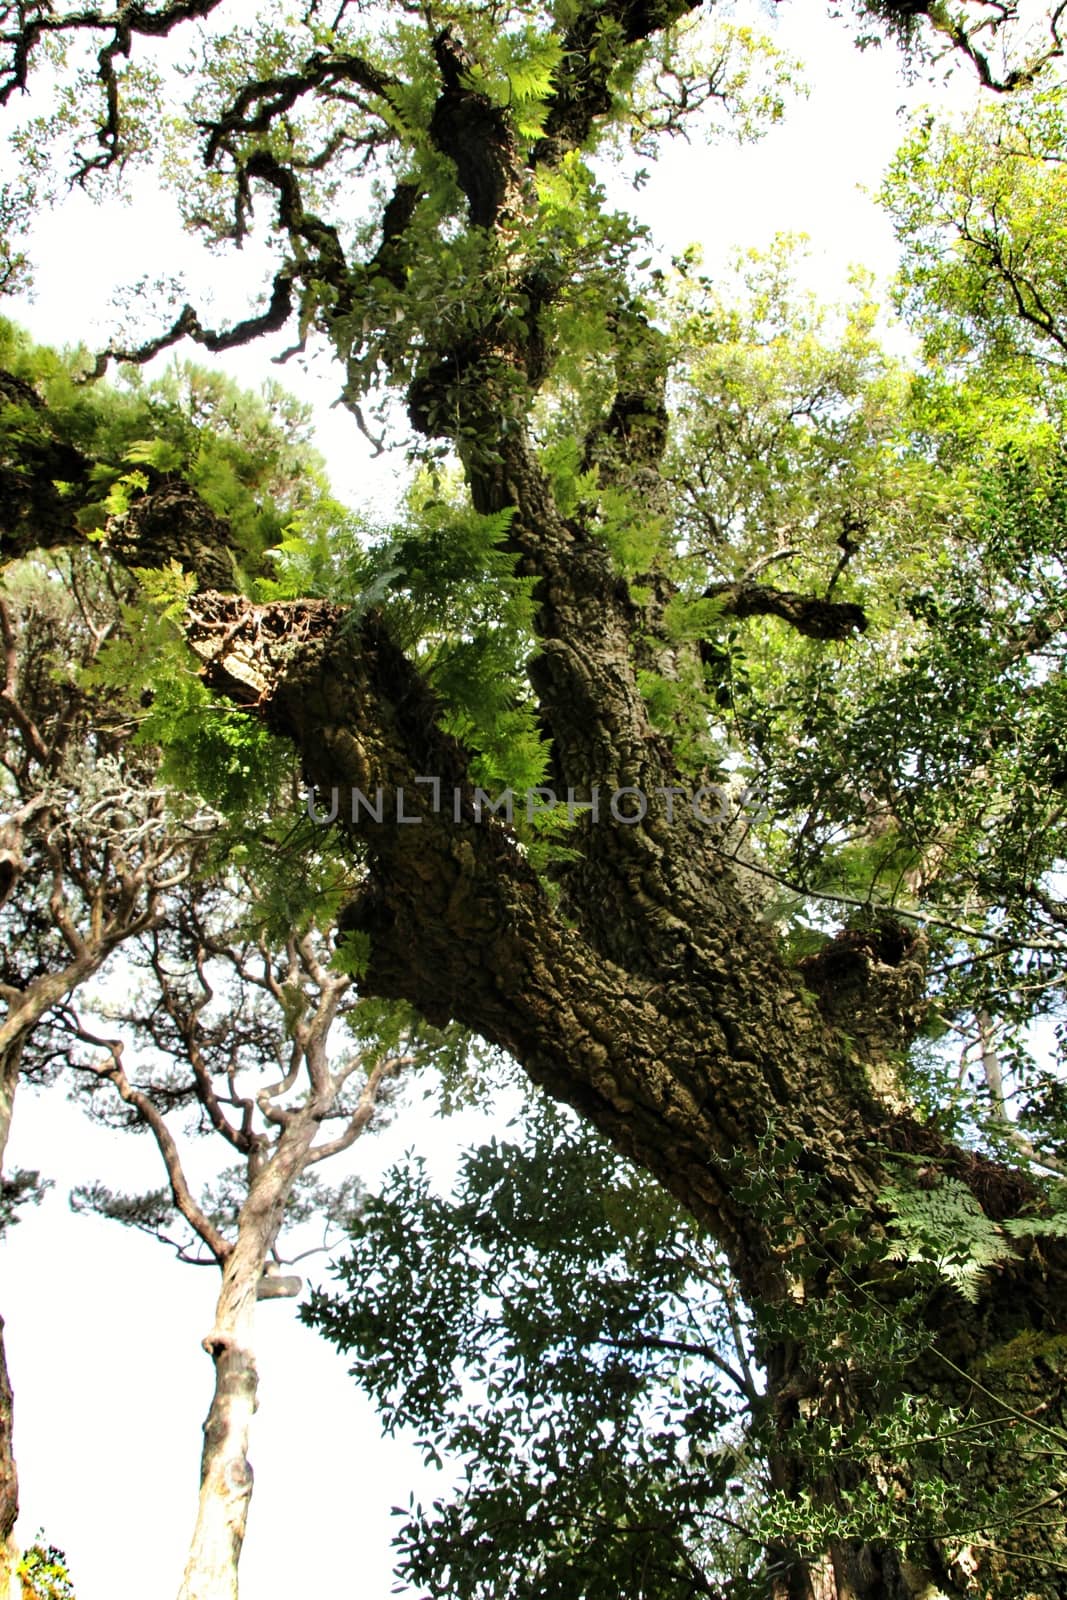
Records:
x=103, y=1329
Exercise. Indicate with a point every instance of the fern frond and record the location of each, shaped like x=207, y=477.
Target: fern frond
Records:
x=947, y=1229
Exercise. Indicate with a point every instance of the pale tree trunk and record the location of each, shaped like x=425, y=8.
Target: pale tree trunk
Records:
x=10, y=1060
x=225, y=1470
x=9, y=1481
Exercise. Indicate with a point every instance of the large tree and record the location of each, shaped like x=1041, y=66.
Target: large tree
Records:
x=565, y=604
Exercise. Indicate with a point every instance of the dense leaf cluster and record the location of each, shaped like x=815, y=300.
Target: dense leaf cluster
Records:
x=577, y=1365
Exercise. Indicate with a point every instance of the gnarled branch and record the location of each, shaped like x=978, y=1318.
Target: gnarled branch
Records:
x=817, y=619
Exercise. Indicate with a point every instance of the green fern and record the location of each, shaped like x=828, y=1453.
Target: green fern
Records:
x=162, y=454
x=947, y=1229
x=1054, y=1227
x=520, y=76
x=209, y=747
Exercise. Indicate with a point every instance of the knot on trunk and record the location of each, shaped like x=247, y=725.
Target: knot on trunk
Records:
x=469, y=387
x=274, y=1285
x=172, y=523
x=870, y=982
x=247, y=649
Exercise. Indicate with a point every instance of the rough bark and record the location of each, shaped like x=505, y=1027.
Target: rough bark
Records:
x=653, y=999
x=819, y=619
x=672, y=1023
x=461, y=923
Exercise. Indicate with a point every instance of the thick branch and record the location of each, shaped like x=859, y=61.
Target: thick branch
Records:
x=817, y=619
x=459, y=924
x=46, y=485
x=476, y=135
x=582, y=94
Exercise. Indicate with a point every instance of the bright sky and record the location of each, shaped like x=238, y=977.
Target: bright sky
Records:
x=103, y=1329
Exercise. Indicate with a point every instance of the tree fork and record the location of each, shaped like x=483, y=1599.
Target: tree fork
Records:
x=461, y=920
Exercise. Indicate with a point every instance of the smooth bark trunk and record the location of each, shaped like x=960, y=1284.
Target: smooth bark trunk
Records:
x=226, y=1477
x=225, y=1472
x=10, y=1060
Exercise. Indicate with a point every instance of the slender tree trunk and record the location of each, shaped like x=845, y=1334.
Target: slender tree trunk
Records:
x=10, y=1060
x=225, y=1470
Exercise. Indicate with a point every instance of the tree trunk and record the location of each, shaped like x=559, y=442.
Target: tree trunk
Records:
x=10, y=1061
x=225, y=1470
